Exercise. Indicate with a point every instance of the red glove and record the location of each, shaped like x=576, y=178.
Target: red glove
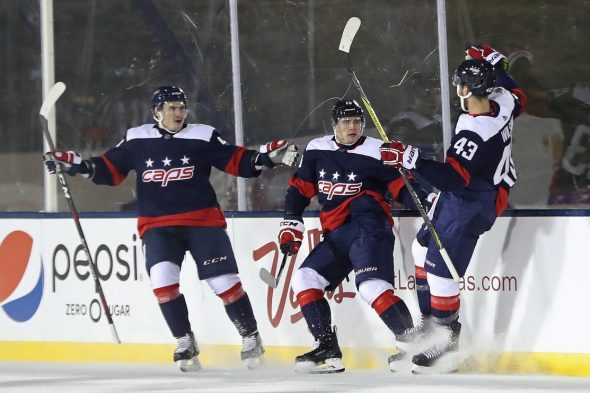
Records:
x=392, y=153
x=60, y=161
x=273, y=146
x=278, y=152
x=398, y=155
x=69, y=162
x=485, y=52
x=291, y=232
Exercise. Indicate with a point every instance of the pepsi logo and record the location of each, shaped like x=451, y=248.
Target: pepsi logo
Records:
x=15, y=257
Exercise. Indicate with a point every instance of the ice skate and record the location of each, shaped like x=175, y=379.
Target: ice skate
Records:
x=408, y=344
x=441, y=358
x=252, y=351
x=186, y=354
x=325, y=358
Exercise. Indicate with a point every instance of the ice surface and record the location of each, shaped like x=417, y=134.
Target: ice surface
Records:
x=93, y=377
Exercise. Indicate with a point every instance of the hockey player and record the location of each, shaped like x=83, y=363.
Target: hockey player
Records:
x=350, y=182
x=474, y=182
x=178, y=210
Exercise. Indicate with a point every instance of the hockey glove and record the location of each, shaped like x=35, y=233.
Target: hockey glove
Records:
x=487, y=53
x=279, y=152
x=69, y=162
x=398, y=155
x=291, y=232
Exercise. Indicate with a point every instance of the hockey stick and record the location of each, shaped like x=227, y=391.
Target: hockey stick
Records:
x=348, y=34
x=268, y=278
x=54, y=93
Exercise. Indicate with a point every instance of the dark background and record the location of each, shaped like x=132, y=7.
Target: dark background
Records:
x=113, y=54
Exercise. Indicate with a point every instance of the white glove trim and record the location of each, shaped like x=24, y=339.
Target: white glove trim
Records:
x=494, y=57
x=410, y=157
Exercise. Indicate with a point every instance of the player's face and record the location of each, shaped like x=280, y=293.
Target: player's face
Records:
x=348, y=130
x=173, y=115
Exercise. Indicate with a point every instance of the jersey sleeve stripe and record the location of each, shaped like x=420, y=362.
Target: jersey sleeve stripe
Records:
x=305, y=188
x=461, y=170
x=395, y=187
x=115, y=173
x=233, y=165
x=522, y=98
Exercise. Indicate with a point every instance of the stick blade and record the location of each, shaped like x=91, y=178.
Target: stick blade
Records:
x=268, y=278
x=352, y=26
x=54, y=93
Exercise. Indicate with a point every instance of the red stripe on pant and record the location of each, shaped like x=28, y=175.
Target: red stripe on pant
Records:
x=233, y=294
x=309, y=295
x=384, y=301
x=420, y=272
x=167, y=293
x=445, y=303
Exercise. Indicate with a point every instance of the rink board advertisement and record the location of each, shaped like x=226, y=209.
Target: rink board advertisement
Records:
x=521, y=289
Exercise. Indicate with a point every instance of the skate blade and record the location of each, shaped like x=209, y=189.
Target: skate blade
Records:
x=423, y=370
x=399, y=362
x=255, y=362
x=444, y=367
x=189, y=365
x=329, y=366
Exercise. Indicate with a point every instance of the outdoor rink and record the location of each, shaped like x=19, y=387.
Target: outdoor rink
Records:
x=94, y=377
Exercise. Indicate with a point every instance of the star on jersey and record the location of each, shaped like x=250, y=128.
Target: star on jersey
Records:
x=184, y=160
x=149, y=163
x=351, y=176
x=335, y=175
x=166, y=161
x=322, y=173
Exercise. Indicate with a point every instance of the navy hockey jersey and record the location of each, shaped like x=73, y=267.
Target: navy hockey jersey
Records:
x=480, y=152
x=346, y=180
x=173, y=171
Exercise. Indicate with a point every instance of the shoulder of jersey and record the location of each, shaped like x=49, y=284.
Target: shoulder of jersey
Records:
x=370, y=147
x=191, y=131
x=488, y=126
x=322, y=143
x=145, y=131
x=196, y=131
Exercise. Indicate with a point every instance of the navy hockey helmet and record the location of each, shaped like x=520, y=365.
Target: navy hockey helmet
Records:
x=478, y=74
x=347, y=108
x=167, y=94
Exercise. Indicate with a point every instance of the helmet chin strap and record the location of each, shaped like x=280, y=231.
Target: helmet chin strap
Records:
x=463, y=98
x=161, y=124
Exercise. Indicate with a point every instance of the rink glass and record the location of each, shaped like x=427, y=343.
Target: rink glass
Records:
x=112, y=55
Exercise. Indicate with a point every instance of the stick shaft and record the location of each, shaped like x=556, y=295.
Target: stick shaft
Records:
x=283, y=263
x=404, y=176
x=68, y=195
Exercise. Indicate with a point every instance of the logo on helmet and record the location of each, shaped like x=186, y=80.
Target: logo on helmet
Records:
x=478, y=75
x=167, y=94
x=347, y=108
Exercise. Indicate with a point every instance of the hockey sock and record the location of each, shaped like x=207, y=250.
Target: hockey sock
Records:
x=445, y=309
x=423, y=290
x=175, y=313
x=239, y=310
x=393, y=311
x=316, y=311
